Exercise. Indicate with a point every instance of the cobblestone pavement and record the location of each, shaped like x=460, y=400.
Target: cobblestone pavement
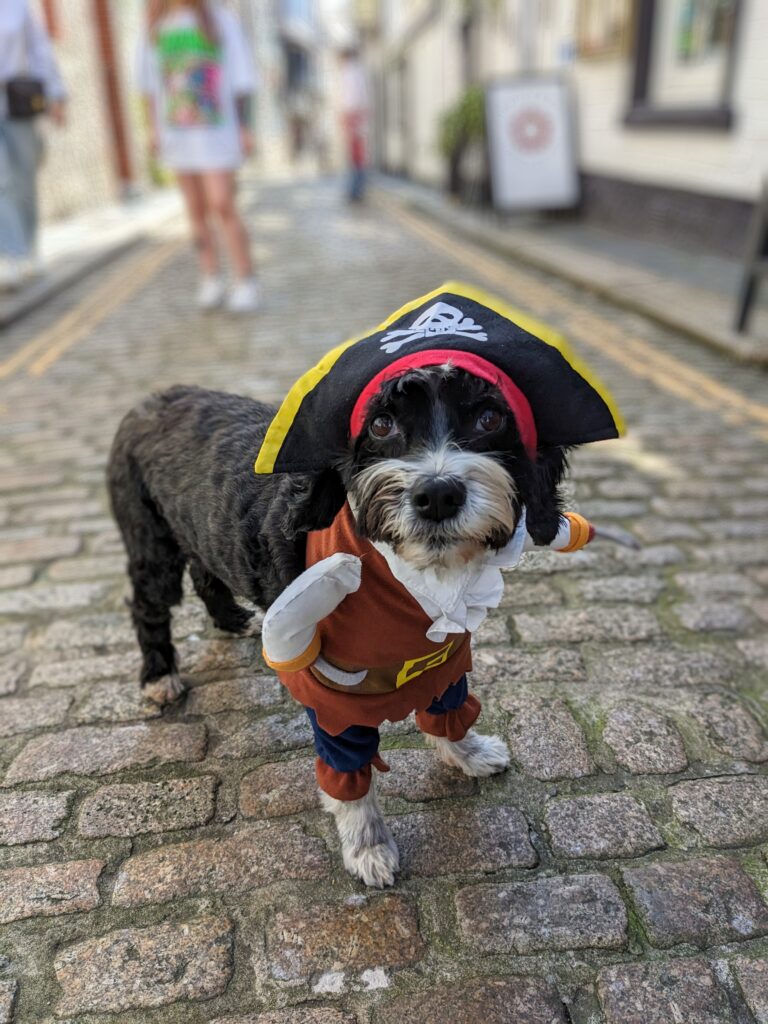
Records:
x=175, y=867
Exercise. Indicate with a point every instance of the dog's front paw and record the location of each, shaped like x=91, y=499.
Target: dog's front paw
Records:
x=476, y=755
x=165, y=690
x=375, y=866
x=368, y=849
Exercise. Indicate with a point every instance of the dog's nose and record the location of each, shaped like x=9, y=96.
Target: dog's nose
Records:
x=439, y=499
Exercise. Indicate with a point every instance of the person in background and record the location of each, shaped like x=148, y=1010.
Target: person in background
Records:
x=198, y=79
x=25, y=54
x=354, y=113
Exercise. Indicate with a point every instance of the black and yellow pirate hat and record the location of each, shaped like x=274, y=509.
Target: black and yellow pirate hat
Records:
x=553, y=396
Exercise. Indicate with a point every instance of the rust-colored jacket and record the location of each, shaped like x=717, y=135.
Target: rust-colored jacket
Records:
x=381, y=628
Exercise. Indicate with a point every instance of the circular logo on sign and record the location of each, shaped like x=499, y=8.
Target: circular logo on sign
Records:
x=531, y=129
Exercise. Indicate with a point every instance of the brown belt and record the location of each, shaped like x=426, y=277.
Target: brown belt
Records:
x=391, y=677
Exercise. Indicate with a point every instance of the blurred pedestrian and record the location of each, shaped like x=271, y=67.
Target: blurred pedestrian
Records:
x=198, y=79
x=30, y=85
x=354, y=113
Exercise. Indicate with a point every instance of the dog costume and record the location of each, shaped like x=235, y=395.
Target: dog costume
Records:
x=362, y=636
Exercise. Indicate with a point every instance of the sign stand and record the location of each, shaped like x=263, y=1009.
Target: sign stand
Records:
x=756, y=262
x=531, y=143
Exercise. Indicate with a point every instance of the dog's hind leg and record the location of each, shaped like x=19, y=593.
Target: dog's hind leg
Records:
x=476, y=755
x=156, y=573
x=226, y=613
x=155, y=566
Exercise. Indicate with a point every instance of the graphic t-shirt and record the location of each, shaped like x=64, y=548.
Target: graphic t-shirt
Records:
x=194, y=82
x=191, y=69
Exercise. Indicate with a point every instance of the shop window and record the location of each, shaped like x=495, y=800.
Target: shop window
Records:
x=684, y=62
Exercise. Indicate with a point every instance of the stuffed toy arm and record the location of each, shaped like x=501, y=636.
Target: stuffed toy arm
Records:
x=289, y=632
x=576, y=532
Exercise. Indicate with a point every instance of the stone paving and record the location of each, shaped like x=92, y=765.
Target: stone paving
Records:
x=175, y=866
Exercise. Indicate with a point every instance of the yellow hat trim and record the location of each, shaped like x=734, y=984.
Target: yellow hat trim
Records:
x=286, y=414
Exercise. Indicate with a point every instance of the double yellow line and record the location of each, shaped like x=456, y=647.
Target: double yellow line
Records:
x=41, y=352
x=640, y=357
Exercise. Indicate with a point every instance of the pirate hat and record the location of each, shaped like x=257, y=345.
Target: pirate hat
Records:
x=554, y=398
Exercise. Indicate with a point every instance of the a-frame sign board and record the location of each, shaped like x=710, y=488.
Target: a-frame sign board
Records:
x=755, y=263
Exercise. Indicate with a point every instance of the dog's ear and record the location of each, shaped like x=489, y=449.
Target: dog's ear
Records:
x=538, y=489
x=316, y=502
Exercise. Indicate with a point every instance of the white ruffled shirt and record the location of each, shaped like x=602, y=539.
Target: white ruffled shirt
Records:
x=458, y=600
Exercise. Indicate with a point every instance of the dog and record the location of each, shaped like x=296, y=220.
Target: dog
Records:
x=395, y=481
x=438, y=473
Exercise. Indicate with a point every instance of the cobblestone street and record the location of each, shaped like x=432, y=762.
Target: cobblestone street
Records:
x=175, y=866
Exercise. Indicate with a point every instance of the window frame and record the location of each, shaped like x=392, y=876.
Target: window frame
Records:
x=642, y=112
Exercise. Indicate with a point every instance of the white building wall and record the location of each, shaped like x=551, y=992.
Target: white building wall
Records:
x=725, y=163
x=435, y=80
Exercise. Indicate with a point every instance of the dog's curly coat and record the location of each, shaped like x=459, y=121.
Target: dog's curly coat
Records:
x=184, y=492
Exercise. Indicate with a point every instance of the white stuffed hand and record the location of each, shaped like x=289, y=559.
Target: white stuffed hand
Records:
x=289, y=630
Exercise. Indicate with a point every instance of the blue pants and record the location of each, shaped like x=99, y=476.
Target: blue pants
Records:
x=356, y=186
x=20, y=152
x=358, y=745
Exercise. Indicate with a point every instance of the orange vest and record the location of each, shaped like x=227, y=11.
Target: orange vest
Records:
x=380, y=628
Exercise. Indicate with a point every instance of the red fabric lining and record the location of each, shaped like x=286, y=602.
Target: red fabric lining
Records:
x=474, y=364
x=347, y=785
x=453, y=725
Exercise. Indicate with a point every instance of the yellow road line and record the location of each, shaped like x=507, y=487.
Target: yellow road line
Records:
x=121, y=291
x=42, y=351
x=640, y=357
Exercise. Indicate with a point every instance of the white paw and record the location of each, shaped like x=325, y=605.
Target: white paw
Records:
x=476, y=755
x=165, y=690
x=375, y=866
x=367, y=847
x=254, y=625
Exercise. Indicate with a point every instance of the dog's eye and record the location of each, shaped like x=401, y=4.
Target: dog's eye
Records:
x=383, y=427
x=489, y=420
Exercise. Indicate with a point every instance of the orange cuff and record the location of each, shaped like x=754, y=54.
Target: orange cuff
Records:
x=453, y=725
x=582, y=532
x=303, y=660
x=347, y=785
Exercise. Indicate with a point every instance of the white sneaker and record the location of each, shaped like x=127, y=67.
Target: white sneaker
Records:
x=244, y=297
x=210, y=294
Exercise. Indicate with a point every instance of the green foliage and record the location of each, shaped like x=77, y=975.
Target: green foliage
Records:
x=463, y=123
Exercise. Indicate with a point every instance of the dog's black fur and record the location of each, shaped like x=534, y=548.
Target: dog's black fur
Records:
x=184, y=492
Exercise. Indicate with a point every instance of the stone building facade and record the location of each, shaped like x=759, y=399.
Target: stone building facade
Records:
x=80, y=168
x=671, y=99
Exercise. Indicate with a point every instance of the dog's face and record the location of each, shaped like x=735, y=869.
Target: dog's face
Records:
x=439, y=471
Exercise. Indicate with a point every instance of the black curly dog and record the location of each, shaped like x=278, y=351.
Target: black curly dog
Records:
x=184, y=492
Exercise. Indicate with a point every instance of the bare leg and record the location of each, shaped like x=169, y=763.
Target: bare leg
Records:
x=367, y=847
x=220, y=200
x=192, y=189
x=475, y=755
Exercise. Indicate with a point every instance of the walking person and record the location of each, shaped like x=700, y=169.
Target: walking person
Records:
x=198, y=79
x=354, y=114
x=30, y=85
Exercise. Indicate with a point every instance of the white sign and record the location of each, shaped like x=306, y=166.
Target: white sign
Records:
x=530, y=138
